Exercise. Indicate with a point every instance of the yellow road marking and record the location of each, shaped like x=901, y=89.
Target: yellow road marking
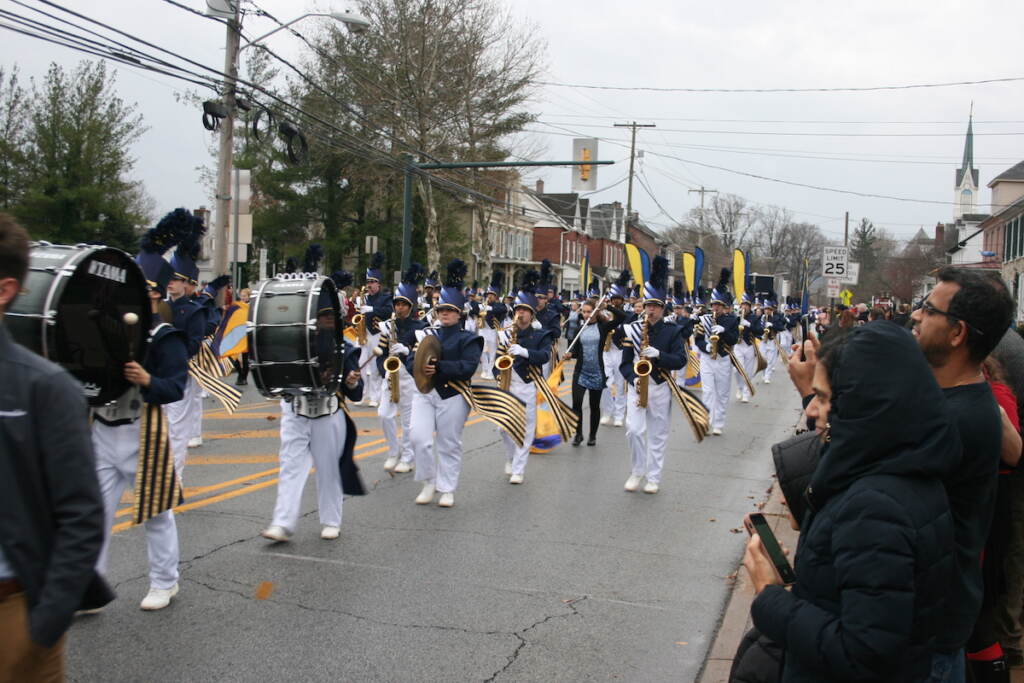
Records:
x=231, y=459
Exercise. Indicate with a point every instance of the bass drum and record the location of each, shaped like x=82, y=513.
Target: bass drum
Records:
x=295, y=335
x=70, y=311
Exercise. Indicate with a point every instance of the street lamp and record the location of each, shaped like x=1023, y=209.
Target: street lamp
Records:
x=355, y=24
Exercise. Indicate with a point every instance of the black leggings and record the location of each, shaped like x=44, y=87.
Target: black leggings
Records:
x=595, y=407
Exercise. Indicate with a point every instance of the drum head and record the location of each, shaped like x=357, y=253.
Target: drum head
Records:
x=87, y=296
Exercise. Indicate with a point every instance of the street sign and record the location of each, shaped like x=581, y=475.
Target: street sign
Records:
x=833, y=262
x=852, y=273
x=833, y=288
x=847, y=297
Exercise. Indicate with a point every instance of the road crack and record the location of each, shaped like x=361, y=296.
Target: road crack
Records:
x=521, y=635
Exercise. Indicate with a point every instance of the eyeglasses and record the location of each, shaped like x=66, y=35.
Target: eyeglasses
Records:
x=930, y=309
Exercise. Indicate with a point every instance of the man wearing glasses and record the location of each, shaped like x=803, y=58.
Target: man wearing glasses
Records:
x=959, y=323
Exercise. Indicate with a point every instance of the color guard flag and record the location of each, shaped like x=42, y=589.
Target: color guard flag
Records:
x=698, y=269
x=585, y=273
x=230, y=339
x=689, y=271
x=636, y=264
x=739, y=274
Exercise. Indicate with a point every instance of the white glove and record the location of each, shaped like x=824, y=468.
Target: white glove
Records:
x=366, y=309
x=717, y=329
x=707, y=348
x=744, y=322
x=398, y=349
x=485, y=308
x=517, y=350
x=768, y=326
x=650, y=352
x=536, y=325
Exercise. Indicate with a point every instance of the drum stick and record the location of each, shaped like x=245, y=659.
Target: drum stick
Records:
x=130, y=321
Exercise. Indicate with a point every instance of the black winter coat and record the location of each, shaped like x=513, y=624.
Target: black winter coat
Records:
x=607, y=328
x=876, y=550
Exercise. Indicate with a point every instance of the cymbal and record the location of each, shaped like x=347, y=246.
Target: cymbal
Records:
x=427, y=351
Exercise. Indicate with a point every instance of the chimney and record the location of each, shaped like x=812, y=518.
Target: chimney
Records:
x=540, y=187
x=940, y=235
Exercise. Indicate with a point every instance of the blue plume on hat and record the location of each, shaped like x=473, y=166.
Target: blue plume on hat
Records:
x=407, y=287
x=656, y=285
x=451, y=292
x=720, y=294
x=545, y=276
x=432, y=280
x=497, y=282
x=311, y=262
x=678, y=298
x=291, y=264
x=154, y=243
x=374, y=272
x=527, y=295
x=185, y=256
x=342, y=279
x=621, y=286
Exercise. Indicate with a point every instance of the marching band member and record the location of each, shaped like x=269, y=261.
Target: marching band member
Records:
x=315, y=430
x=400, y=333
x=681, y=317
x=613, y=399
x=207, y=300
x=718, y=331
x=159, y=379
x=494, y=313
x=548, y=312
x=786, y=333
x=661, y=344
x=529, y=348
x=375, y=306
x=774, y=324
x=426, y=300
x=471, y=310
x=188, y=317
x=444, y=410
x=746, y=353
x=592, y=371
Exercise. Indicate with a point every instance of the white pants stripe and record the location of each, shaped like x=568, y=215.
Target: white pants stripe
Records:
x=715, y=378
x=307, y=442
x=518, y=455
x=431, y=413
x=195, y=412
x=771, y=354
x=746, y=356
x=390, y=413
x=647, y=430
x=117, y=459
x=614, y=406
x=371, y=375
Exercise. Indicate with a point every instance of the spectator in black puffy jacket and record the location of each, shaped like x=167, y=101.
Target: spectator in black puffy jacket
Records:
x=876, y=547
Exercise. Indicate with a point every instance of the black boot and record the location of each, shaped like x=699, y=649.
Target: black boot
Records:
x=592, y=441
x=988, y=671
x=578, y=439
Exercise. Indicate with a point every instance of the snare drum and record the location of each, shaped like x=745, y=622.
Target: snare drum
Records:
x=70, y=311
x=295, y=335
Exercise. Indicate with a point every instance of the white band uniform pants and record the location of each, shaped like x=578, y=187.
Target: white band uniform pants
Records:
x=715, y=378
x=390, y=413
x=447, y=417
x=306, y=442
x=613, y=399
x=117, y=459
x=181, y=416
x=371, y=376
x=647, y=430
x=195, y=411
x=490, y=336
x=527, y=393
x=786, y=340
x=747, y=357
x=771, y=354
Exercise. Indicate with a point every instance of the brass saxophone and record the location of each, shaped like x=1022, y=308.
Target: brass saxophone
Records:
x=505, y=361
x=714, y=339
x=642, y=368
x=359, y=320
x=392, y=363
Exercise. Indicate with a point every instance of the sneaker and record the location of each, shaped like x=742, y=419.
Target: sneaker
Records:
x=606, y=419
x=329, y=533
x=426, y=495
x=744, y=400
x=372, y=404
x=650, y=487
x=402, y=468
x=767, y=381
x=447, y=500
x=739, y=395
x=618, y=423
x=633, y=483
x=275, y=533
x=390, y=463
x=508, y=467
x=158, y=598
x=716, y=432
x=195, y=442
x=515, y=479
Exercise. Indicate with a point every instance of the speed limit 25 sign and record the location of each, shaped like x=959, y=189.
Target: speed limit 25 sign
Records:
x=834, y=262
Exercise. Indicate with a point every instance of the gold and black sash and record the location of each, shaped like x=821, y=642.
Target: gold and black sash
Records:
x=736, y=363
x=157, y=487
x=694, y=409
x=761, y=362
x=207, y=370
x=693, y=362
x=495, y=405
x=567, y=420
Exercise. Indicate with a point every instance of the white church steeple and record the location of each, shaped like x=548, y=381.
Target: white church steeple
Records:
x=965, y=193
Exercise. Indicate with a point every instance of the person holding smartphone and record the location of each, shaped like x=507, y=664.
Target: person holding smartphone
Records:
x=876, y=552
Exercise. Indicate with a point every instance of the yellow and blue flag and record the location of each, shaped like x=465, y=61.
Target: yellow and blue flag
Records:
x=230, y=339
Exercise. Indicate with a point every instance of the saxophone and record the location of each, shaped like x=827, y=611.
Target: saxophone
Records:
x=392, y=363
x=642, y=368
x=714, y=339
x=359, y=320
x=505, y=362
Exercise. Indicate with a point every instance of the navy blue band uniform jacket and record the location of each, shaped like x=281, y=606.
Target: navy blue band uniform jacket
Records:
x=619, y=335
x=495, y=317
x=686, y=325
x=208, y=302
x=405, y=334
x=189, y=317
x=166, y=362
x=727, y=338
x=383, y=307
x=665, y=336
x=550, y=320
x=754, y=331
x=779, y=323
x=460, y=355
x=537, y=343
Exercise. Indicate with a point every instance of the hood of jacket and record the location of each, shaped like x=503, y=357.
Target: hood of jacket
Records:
x=888, y=414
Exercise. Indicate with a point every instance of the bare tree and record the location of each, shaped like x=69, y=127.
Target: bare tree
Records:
x=803, y=253
x=731, y=219
x=773, y=235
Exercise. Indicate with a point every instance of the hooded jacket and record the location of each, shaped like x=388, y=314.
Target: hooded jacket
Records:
x=876, y=549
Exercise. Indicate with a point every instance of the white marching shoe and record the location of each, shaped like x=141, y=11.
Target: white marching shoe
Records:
x=158, y=598
x=618, y=423
x=515, y=479
x=739, y=395
x=744, y=400
x=276, y=533
x=447, y=500
x=402, y=468
x=329, y=533
x=767, y=381
x=508, y=467
x=650, y=487
x=195, y=442
x=372, y=404
x=716, y=432
x=426, y=495
x=390, y=463
x=633, y=483
x=606, y=419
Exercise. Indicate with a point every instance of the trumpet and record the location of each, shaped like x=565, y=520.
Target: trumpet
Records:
x=505, y=361
x=642, y=368
x=392, y=363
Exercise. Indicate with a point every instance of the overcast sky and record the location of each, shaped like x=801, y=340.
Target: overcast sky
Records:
x=905, y=143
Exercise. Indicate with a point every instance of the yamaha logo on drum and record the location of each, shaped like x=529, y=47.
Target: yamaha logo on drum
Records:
x=107, y=271
x=90, y=389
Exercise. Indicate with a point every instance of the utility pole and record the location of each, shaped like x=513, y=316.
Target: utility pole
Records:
x=227, y=143
x=632, y=160
x=846, y=230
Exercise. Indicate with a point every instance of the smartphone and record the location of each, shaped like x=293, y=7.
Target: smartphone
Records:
x=771, y=545
x=803, y=336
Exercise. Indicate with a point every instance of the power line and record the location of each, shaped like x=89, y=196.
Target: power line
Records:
x=872, y=88
x=791, y=133
x=792, y=121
